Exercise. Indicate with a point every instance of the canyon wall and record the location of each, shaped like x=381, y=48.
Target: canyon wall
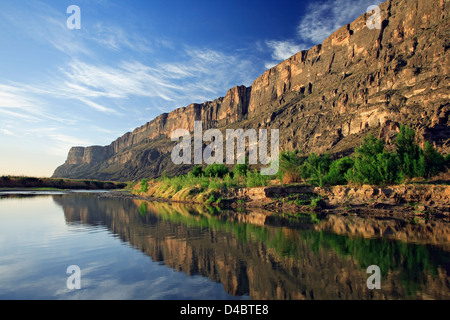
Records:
x=325, y=99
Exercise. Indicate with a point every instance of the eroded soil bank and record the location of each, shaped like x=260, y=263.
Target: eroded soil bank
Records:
x=419, y=200
x=410, y=200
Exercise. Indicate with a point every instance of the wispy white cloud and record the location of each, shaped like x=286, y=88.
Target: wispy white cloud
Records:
x=202, y=75
x=6, y=132
x=282, y=50
x=43, y=24
x=97, y=106
x=68, y=140
x=322, y=18
x=47, y=25
x=116, y=38
x=28, y=102
x=319, y=20
x=83, y=80
x=17, y=103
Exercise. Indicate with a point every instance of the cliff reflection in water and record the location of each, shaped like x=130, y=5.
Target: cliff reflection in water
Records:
x=248, y=254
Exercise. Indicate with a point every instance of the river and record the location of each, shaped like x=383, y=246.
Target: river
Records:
x=129, y=249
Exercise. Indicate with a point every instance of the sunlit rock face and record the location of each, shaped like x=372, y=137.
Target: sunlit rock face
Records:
x=328, y=98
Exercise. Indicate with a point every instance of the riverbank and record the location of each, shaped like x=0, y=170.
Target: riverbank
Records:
x=413, y=201
x=12, y=183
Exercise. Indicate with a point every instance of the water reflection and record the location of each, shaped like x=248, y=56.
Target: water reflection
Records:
x=249, y=253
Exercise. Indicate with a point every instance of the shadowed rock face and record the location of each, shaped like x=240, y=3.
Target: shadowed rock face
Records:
x=328, y=98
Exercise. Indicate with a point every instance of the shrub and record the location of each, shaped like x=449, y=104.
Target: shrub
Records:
x=373, y=164
x=387, y=165
x=216, y=184
x=197, y=171
x=204, y=184
x=338, y=169
x=240, y=170
x=229, y=182
x=216, y=170
x=434, y=161
x=290, y=164
x=318, y=167
x=412, y=162
x=144, y=185
x=256, y=179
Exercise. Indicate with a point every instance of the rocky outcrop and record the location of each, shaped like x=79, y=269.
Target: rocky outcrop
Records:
x=358, y=80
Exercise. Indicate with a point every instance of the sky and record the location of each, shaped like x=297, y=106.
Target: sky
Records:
x=131, y=61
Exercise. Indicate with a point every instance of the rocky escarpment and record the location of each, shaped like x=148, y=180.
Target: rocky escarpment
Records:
x=358, y=80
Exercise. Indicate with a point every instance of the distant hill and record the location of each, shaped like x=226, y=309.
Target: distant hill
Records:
x=325, y=99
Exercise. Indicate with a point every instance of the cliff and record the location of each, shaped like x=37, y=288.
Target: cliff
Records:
x=328, y=98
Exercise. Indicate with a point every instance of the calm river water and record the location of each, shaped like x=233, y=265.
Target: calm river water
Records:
x=131, y=249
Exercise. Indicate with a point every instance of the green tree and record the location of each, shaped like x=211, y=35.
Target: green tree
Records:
x=373, y=164
x=338, y=169
x=412, y=161
x=318, y=167
x=434, y=161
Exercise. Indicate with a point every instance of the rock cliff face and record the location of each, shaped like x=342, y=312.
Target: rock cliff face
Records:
x=328, y=98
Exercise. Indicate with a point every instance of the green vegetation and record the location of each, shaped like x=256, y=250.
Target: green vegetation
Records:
x=216, y=170
x=290, y=167
x=143, y=209
x=338, y=169
x=372, y=163
x=49, y=184
x=144, y=185
x=197, y=171
x=240, y=170
x=255, y=179
x=215, y=178
x=317, y=167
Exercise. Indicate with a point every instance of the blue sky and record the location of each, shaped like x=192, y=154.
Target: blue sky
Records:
x=133, y=60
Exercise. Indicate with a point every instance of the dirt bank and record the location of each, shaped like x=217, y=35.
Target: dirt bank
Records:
x=412, y=200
